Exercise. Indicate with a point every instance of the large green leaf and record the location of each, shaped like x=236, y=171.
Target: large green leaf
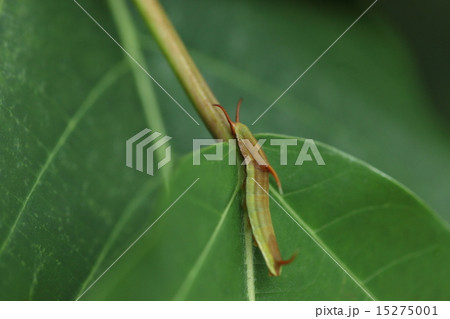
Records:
x=69, y=206
x=360, y=235
x=66, y=196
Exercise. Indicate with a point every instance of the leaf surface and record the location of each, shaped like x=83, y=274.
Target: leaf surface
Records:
x=372, y=239
x=68, y=102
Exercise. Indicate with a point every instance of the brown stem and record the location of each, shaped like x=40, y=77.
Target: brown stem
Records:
x=193, y=82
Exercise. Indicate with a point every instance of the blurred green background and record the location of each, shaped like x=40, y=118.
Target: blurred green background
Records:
x=379, y=94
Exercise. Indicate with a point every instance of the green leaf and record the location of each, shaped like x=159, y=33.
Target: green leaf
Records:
x=363, y=240
x=68, y=102
x=67, y=198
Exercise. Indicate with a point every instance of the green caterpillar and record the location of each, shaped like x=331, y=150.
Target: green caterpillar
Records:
x=257, y=195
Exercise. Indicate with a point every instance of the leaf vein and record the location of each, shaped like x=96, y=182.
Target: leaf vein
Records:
x=356, y=212
x=193, y=273
x=318, y=241
x=315, y=185
x=107, y=80
x=400, y=260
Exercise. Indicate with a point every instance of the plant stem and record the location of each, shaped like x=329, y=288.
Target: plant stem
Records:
x=193, y=82
x=144, y=86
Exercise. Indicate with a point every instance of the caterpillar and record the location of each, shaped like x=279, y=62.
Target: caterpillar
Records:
x=256, y=186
